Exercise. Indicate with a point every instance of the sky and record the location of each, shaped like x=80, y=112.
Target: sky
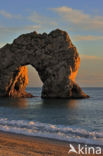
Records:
x=82, y=19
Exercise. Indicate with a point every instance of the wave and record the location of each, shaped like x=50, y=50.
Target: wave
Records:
x=59, y=132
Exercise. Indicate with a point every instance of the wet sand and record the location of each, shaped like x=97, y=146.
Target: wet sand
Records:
x=20, y=145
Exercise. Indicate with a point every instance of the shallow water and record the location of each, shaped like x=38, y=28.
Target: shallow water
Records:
x=71, y=120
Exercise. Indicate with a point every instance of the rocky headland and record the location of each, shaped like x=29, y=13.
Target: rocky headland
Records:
x=54, y=57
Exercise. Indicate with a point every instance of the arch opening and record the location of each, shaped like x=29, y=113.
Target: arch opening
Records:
x=35, y=84
x=33, y=77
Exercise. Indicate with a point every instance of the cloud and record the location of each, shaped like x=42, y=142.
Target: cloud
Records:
x=6, y=30
x=77, y=19
x=5, y=14
x=87, y=57
x=2, y=44
x=7, y=34
x=87, y=38
x=43, y=21
x=9, y=15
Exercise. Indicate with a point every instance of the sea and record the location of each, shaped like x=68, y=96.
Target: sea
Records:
x=62, y=119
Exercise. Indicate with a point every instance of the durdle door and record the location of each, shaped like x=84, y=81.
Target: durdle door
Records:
x=53, y=56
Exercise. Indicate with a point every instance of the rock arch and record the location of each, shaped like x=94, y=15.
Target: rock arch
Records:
x=53, y=56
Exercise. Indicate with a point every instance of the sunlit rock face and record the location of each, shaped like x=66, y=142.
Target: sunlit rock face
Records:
x=53, y=56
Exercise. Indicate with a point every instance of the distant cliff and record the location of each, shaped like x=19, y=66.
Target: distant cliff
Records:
x=53, y=56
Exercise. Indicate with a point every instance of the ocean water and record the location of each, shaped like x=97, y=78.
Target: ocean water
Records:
x=62, y=119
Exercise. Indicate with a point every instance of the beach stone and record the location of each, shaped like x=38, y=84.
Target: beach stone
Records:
x=54, y=57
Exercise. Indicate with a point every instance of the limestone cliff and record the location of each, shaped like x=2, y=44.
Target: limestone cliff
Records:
x=53, y=56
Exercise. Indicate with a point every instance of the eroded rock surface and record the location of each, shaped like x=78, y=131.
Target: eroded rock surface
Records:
x=53, y=56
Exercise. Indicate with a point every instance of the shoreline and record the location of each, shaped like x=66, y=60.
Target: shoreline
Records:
x=21, y=145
